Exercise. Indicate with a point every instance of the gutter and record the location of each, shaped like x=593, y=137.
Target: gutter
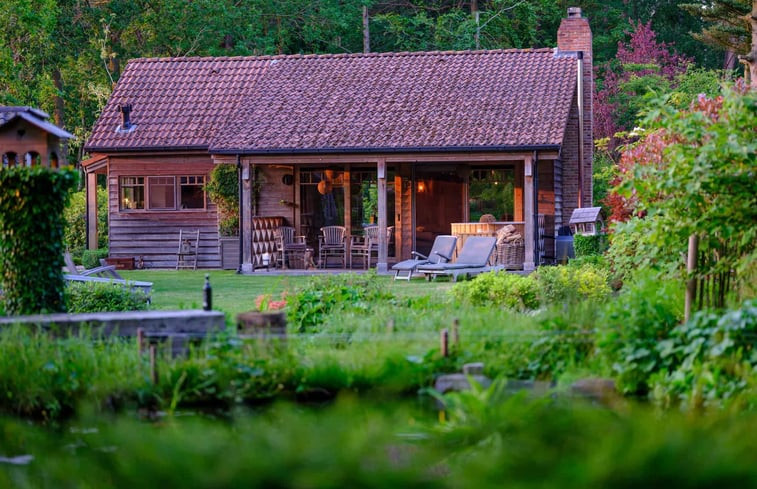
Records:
x=408, y=149
x=580, y=97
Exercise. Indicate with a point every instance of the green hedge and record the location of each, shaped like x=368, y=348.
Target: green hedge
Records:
x=32, y=201
x=589, y=245
x=91, y=258
x=102, y=297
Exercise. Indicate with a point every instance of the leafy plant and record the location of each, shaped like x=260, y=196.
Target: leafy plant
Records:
x=103, y=297
x=76, y=220
x=498, y=290
x=91, y=258
x=571, y=283
x=308, y=306
x=630, y=327
x=223, y=190
x=594, y=244
x=709, y=359
x=31, y=237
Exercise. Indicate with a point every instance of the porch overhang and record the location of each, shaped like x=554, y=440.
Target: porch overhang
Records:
x=385, y=150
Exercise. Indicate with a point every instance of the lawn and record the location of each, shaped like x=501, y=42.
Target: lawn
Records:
x=233, y=293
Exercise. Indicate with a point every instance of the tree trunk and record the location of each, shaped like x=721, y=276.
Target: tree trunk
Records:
x=750, y=60
x=58, y=82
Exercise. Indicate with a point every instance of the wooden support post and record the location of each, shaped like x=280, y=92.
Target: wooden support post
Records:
x=456, y=333
x=691, y=284
x=445, y=343
x=140, y=340
x=528, y=213
x=246, y=204
x=153, y=365
x=383, y=247
x=91, y=186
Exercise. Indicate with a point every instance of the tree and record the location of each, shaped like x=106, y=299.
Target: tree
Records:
x=692, y=172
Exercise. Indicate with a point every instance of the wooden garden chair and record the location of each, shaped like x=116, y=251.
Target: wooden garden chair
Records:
x=189, y=243
x=332, y=242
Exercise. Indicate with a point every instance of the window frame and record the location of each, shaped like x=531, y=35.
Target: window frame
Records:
x=176, y=192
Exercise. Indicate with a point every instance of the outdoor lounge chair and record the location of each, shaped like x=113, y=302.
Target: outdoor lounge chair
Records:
x=105, y=271
x=441, y=252
x=472, y=260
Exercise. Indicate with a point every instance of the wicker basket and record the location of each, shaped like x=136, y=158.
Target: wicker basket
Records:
x=511, y=255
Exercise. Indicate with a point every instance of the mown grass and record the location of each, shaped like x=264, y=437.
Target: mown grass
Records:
x=234, y=293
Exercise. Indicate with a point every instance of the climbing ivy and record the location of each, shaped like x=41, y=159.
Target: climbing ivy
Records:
x=31, y=238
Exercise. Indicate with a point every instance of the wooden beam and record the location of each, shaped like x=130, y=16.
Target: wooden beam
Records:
x=246, y=203
x=381, y=265
x=528, y=213
x=91, y=185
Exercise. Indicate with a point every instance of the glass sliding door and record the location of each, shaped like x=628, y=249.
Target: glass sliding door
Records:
x=321, y=201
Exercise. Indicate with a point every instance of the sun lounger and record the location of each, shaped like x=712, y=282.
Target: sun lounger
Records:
x=441, y=252
x=472, y=260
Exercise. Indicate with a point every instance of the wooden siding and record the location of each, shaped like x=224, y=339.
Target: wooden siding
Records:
x=273, y=191
x=154, y=236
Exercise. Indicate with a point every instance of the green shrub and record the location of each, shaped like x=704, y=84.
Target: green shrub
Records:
x=563, y=340
x=31, y=237
x=708, y=359
x=76, y=221
x=571, y=283
x=223, y=190
x=103, y=297
x=308, y=307
x=91, y=258
x=630, y=327
x=498, y=290
x=588, y=245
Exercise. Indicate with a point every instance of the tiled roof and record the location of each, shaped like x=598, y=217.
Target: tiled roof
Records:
x=373, y=102
x=176, y=102
x=33, y=116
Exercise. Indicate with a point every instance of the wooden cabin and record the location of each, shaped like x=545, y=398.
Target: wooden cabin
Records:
x=28, y=139
x=413, y=142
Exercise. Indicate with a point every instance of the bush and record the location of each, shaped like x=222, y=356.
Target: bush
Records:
x=91, y=258
x=708, y=359
x=571, y=283
x=31, y=238
x=103, y=297
x=223, y=190
x=589, y=245
x=498, y=290
x=309, y=306
x=629, y=328
x=76, y=221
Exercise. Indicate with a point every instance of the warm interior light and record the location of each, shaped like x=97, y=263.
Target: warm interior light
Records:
x=421, y=187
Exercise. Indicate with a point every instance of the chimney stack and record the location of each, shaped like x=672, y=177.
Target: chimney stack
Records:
x=125, y=110
x=574, y=35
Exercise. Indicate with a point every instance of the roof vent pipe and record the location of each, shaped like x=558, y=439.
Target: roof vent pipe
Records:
x=125, y=110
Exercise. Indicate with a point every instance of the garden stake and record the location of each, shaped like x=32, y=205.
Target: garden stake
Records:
x=456, y=333
x=445, y=343
x=390, y=326
x=207, y=295
x=153, y=365
x=140, y=339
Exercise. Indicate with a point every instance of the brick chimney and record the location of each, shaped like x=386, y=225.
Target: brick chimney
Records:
x=574, y=35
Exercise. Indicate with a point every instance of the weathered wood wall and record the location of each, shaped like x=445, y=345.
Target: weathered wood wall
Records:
x=154, y=235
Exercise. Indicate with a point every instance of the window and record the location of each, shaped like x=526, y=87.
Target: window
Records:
x=162, y=193
x=491, y=191
x=192, y=192
x=132, y=193
x=54, y=163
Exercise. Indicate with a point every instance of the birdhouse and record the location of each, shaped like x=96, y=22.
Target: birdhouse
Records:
x=587, y=221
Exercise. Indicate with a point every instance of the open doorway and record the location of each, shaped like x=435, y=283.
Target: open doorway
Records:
x=438, y=203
